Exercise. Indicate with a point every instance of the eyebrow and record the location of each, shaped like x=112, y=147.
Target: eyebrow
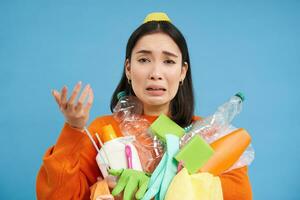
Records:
x=164, y=52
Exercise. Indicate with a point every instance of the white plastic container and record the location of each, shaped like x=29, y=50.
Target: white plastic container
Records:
x=113, y=154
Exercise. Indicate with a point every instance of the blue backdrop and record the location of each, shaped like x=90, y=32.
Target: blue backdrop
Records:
x=249, y=46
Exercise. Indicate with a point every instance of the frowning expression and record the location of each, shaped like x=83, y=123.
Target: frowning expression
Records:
x=155, y=69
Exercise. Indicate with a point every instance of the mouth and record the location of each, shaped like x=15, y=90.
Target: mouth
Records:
x=156, y=89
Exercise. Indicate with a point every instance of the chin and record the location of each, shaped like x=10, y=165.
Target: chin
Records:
x=155, y=101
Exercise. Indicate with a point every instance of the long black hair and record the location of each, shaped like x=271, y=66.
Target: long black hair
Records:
x=182, y=105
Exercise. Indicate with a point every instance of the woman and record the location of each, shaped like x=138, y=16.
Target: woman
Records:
x=157, y=70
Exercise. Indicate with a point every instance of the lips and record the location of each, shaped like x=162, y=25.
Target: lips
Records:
x=155, y=88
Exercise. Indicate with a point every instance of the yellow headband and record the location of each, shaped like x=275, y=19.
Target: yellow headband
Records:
x=157, y=16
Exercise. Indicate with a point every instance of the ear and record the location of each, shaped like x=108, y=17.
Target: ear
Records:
x=184, y=70
x=127, y=68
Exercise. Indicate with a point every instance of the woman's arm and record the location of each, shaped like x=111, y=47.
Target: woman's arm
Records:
x=69, y=168
x=236, y=184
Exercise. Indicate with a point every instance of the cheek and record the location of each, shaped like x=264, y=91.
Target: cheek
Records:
x=173, y=83
x=138, y=78
x=173, y=76
x=173, y=88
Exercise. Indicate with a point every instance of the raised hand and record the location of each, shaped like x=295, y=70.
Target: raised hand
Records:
x=76, y=113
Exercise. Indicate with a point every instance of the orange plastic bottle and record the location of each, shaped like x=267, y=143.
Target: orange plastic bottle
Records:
x=228, y=150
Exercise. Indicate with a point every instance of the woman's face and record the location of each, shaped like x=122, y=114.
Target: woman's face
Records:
x=155, y=70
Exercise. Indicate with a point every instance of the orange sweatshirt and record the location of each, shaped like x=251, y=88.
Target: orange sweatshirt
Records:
x=69, y=168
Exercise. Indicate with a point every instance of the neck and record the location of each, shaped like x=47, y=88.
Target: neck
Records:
x=156, y=110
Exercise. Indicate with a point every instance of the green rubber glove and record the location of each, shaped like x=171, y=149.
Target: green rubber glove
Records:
x=130, y=181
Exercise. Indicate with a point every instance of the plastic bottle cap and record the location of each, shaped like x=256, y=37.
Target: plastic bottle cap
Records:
x=121, y=94
x=108, y=133
x=241, y=95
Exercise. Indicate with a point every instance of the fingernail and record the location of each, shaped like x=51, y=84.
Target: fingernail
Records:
x=79, y=82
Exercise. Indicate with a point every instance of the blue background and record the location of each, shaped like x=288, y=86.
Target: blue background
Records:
x=249, y=46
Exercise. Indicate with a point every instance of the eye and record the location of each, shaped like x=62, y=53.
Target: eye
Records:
x=169, y=61
x=143, y=60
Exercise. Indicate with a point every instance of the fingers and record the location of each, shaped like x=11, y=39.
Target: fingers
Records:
x=74, y=94
x=111, y=183
x=83, y=97
x=130, y=188
x=90, y=100
x=99, y=178
x=87, y=93
x=63, y=97
x=142, y=189
x=122, y=182
x=115, y=172
x=56, y=96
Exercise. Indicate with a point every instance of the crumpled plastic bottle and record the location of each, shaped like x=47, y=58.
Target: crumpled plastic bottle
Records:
x=128, y=112
x=127, y=107
x=218, y=125
x=221, y=119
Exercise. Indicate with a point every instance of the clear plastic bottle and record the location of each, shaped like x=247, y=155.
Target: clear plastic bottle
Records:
x=128, y=112
x=208, y=127
x=218, y=125
x=126, y=107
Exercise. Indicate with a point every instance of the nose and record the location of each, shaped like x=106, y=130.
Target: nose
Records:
x=155, y=73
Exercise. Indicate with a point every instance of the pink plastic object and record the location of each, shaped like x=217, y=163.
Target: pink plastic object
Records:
x=128, y=156
x=180, y=166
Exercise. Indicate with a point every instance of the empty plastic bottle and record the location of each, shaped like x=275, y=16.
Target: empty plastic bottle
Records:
x=128, y=112
x=208, y=127
x=126, y=107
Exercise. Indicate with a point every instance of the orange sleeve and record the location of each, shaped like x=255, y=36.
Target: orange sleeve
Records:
x=236, y=184
x=69, y=168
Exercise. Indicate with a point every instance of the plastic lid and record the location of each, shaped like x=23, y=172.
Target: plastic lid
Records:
x=107, y=133
x=121, y=94
x=239, y=94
